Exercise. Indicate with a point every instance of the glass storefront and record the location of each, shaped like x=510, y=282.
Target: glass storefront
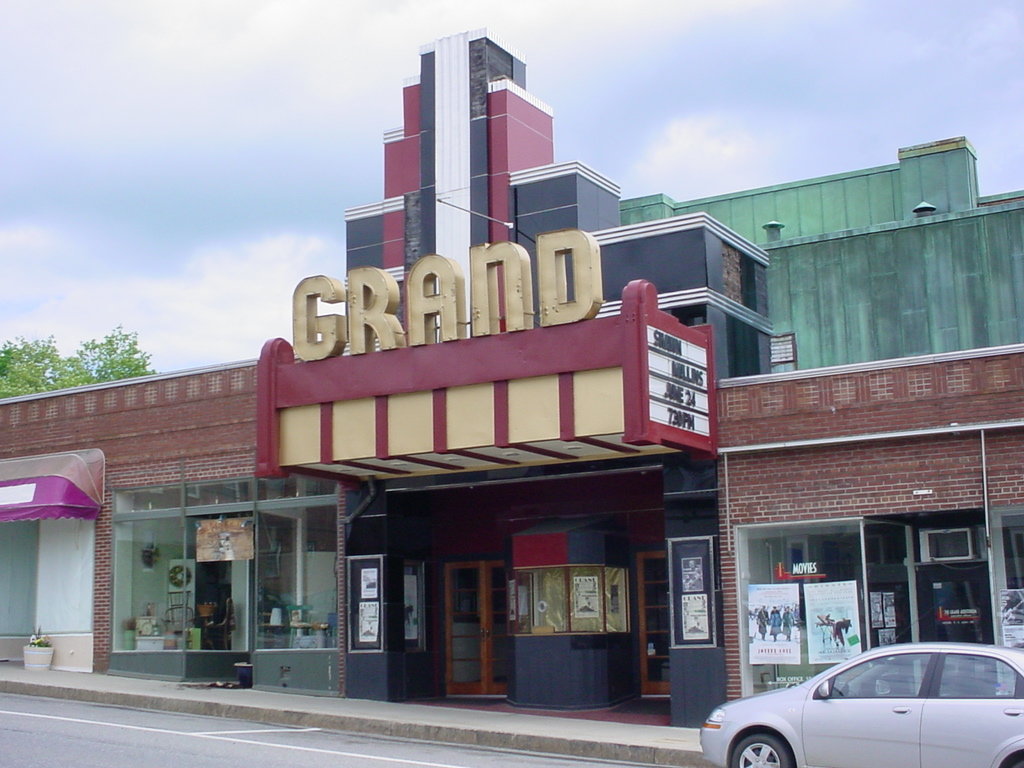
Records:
x=799, y=600
x=815, y=593
x=297, y=598
x=203, y=566
x=1008, y=575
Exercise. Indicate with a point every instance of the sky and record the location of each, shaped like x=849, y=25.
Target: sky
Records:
x=175, y=168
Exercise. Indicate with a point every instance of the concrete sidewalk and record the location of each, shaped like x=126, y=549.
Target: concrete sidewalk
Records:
x=597, y=739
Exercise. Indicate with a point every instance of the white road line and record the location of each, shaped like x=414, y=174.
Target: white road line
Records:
x=250, y=730
x=213, y=737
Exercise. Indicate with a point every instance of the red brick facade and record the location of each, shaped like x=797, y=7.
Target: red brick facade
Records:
x=876, y=435
x=192, y=426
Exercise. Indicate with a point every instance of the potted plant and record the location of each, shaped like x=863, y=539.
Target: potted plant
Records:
x=38, y=654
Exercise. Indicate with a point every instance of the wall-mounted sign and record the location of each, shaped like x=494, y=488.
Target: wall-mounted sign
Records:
x=435, y=298
x=678, y=382
x=806, y=570
x=604, y=388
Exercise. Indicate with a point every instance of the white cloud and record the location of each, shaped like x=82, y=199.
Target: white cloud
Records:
x=702, y=155
x=221, y=306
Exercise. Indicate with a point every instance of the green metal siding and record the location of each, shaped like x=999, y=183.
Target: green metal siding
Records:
x=921, y=287
x=813, y=207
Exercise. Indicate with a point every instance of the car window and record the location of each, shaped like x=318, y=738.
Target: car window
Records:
x=976, y=677
x=888, y=677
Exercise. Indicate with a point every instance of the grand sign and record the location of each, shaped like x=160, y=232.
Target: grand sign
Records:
x=446, y=388
x=569, y=276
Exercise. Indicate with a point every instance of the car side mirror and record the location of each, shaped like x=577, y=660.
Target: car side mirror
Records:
x=824, y=690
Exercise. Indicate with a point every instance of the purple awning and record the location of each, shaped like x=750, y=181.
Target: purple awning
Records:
x=52, y=486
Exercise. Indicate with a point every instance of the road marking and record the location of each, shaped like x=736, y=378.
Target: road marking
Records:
x=250, y=742
x=250, y=730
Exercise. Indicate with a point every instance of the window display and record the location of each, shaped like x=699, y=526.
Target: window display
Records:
x=297, y=594
x=573, y=598
x=184, y=559
x=800, y=595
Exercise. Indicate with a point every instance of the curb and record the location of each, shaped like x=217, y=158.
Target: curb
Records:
x=388, y=728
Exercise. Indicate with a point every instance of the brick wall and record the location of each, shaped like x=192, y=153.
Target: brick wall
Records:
x=198, y=426
x=874, y=475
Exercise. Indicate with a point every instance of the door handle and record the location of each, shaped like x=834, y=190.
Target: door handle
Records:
x=1013, y=712
x=901, y=710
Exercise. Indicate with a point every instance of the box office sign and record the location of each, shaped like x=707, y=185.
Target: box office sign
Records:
x=596, y=388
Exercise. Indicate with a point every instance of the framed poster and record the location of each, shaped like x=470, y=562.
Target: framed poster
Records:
x=366, y=611
x=412, y=598
x=692, y=592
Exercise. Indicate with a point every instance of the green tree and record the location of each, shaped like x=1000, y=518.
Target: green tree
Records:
x=31, y=366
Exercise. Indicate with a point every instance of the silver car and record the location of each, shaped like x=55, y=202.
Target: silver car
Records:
x=899, y=706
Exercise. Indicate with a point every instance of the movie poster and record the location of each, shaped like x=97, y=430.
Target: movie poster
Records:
x=833, y=621
x=772, y=611
x=695, y=619
x=1011, y=609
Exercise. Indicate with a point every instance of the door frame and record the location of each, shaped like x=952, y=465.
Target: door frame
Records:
x=486, y=685
x=649, y=687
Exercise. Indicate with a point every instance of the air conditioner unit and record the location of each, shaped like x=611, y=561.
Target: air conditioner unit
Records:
x=947, y=544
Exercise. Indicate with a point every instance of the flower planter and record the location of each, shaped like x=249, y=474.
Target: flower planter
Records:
x=36, y=658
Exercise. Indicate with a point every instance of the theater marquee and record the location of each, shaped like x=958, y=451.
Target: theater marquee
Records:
x=482, y=395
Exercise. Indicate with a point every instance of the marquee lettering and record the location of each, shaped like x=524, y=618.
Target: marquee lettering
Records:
x=501, y=290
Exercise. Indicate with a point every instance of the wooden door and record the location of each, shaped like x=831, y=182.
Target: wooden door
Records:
x=476, y=620
x=652, y=578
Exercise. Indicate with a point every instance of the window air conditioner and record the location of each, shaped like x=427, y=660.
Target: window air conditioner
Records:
x=947, y=544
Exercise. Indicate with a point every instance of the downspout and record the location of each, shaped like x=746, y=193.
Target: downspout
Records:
x=363, y=505
x=989, y=550
x=346, y=521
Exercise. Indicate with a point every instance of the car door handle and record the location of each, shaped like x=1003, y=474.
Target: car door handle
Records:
x=901, y=710
x=1013, y=712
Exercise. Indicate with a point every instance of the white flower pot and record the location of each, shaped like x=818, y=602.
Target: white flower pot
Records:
x=37, y=659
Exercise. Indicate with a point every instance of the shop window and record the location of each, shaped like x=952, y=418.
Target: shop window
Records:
x=162, y=497
x=294, y=486
x=577, y=598
x=800, y=601
x=154, y=582
x=1008, y=573
x=183, y=567
x=296, y=582
x=19, y=548
x=218, y=492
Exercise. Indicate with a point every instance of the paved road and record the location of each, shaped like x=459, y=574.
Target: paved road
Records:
x=49, y=733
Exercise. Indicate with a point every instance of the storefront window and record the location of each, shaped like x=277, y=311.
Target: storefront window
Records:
x=1008, y=576
x=297, y=584
x=800, y=600
x=153, y=577
x=184, y=559
x=218, y=492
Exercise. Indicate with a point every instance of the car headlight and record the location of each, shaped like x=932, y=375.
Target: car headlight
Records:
x=715, y=719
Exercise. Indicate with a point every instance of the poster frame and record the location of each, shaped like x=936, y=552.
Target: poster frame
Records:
x=692, y=578
x=365, y=601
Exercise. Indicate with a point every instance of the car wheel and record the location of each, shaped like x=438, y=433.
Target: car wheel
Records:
x=762, y=750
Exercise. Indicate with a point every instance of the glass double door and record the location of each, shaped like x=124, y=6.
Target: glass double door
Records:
x=476, y=638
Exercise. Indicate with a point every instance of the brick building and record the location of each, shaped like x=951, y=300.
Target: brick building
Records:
x=569, y=515
x=902, y=477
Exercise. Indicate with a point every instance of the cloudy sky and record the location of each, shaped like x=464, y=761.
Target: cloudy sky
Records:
x=175, y=167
